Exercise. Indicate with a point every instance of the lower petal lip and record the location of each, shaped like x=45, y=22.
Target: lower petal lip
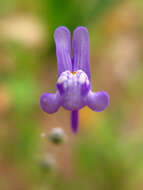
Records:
x=73, y=107
x=98, y=101
x=49, y=102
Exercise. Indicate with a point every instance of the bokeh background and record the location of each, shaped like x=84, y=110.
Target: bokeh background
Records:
x=107, y=152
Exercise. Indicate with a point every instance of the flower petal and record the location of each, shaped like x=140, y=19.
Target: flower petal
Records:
x=50, y=102
x=80, y=45
x=98, y=101
x=74, y=121
x=63, y=49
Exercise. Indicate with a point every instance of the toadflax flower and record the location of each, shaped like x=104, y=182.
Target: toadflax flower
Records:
x=73, y=84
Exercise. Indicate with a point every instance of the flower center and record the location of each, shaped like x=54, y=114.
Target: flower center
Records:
x=74, y=72
x=73, y=87
x=73, y=82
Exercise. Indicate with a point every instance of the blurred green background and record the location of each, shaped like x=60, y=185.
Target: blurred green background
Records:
x=107, y=152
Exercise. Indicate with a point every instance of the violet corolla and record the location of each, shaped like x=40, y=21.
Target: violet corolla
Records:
x=73, y=84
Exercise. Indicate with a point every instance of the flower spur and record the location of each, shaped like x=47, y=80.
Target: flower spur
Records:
x=73, y=84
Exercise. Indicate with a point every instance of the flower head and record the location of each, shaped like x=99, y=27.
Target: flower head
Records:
x=73, y=84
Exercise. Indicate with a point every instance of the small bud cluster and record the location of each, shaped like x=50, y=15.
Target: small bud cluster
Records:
x=46, y=162
x=56, y=136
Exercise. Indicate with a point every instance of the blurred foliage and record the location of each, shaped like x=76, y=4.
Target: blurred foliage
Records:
x=108, y=161
x=73, y=13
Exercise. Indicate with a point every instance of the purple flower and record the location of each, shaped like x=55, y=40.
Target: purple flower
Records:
x=73, y=84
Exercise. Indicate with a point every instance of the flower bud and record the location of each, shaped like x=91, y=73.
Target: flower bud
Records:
x=57, y=136
x=46, y=163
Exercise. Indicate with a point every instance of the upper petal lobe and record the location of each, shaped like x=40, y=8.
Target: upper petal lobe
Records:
x=63, y=49
x=80, y=45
